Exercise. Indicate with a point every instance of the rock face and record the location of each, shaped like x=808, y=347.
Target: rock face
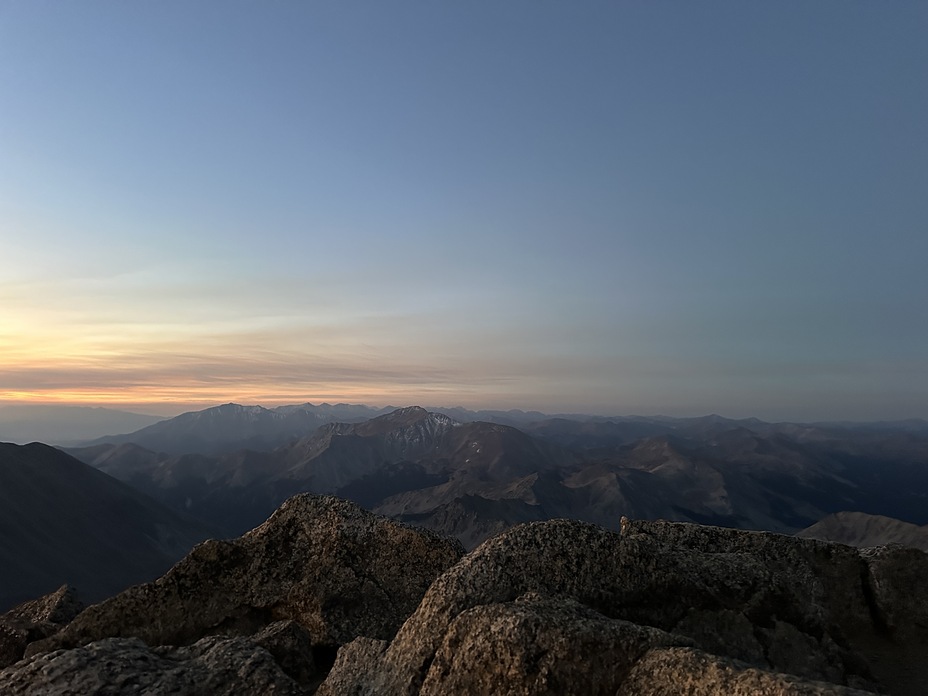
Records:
x=335, y=569
x=538, y=645
x=35, y=620
x=674, y=671
x=326, y=598
x=263, y=614
x=674, y=608
x=115, y=666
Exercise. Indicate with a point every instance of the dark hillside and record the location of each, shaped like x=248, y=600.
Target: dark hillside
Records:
x=62, y=521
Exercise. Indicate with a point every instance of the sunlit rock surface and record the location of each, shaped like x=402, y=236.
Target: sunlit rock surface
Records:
x=327, y=598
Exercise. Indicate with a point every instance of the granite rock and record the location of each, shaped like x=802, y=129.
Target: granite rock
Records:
x=896, y=579
x=335, y=569
x=215, y=665
x=675, y=671
x=35, y=620
x=538, y=645
x=291, y=646
x=556, y=607
x=749, y=612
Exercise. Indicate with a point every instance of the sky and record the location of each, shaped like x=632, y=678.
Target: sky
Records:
x=601, y=207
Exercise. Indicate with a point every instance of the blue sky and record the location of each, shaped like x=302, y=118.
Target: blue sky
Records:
x=630, y=207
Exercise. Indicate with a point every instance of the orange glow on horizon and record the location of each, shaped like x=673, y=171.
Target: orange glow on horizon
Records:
x=193, y=398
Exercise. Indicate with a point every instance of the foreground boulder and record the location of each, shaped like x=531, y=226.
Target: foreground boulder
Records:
x=35, y=620
x=214, y=665
x=675, y=671
x=326, y=598
x=658, y=608
x=320, y=572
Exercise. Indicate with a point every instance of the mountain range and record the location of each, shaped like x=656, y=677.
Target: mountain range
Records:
x=231, y=426
x=474, y=479
x=324, y=597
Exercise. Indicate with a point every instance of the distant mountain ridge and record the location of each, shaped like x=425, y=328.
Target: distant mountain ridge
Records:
x=233, y=426
x=66, y=425
x=474, y=479
x=863, y=530
x=395, y=453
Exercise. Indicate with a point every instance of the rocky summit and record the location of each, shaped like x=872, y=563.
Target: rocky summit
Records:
x=327, y=598
x=35, y=620
x=677, y=608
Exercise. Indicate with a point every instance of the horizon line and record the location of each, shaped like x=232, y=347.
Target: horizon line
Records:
x=170, y=410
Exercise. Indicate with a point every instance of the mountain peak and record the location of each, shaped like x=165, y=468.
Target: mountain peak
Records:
x=416, y=410
x=402, y=416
